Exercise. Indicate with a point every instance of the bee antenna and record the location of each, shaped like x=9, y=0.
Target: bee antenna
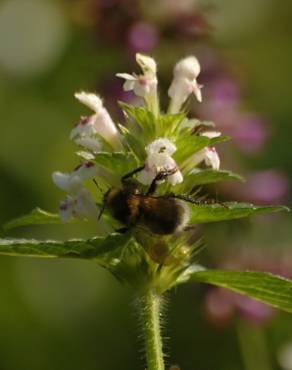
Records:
x=103, y=204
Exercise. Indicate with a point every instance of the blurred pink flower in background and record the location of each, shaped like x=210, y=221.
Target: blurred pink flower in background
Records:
x=269, y=186
x=249, y=133
x=263, y=187
x=142, y=36
x=221, y=306
x=223, y=106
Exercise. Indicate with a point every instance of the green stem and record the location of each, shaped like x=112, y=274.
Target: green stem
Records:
x=150, y=311
x=253, y=347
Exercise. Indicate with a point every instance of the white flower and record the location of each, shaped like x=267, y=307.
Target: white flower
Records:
x=211, y=134
x=71, y=182
x=79, y=202
x=212, y=158
x=90, y=143
x=84, y=128
x=158, y=160
x=188, y=67
x=184, y=83
x=161, y=145
x=208, y=155
x=99, y=123
x=81, y=206
x=141, y=85
x=144, y=85
x=147, y=64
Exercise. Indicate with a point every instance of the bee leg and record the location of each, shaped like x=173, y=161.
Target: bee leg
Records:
x=159, y=177
x=103, y=204
x=198, y=202
x=130, y=174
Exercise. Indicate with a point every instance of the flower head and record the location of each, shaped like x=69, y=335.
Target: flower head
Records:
x=100, y=123
x=159, y=160
x=144, y=85
x=147, y=64
x=161, y=145
x=79, y=202
x=184, y=83
x=209, y=154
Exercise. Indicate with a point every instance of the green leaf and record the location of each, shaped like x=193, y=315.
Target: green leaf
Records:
x=203, y=177
x=169, y=124
x=265, y=287
x=100, y=248
x=188, y=144
x=117, y=162
x=137, y=146
x=144, y=118
x=210, y=176
x=228, y=211
x=35, y=217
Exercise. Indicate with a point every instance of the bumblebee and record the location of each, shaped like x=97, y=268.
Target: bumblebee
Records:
x=162, y=215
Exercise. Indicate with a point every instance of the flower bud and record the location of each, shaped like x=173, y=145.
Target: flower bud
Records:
x=147, y=64
x=99, y=123
x=184, y=83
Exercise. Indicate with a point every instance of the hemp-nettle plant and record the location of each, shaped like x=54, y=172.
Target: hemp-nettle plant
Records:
x=150, y=174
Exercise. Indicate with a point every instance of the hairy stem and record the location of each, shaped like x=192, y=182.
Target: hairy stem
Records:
x=150, y=312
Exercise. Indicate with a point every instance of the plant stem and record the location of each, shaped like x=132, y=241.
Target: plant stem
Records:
x=150, y=311
x=253, y=347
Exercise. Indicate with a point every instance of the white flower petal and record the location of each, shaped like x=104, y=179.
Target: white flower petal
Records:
x=62, y=180
x=84, y=128
x=160, y=162
x=147, y=64
x=176, y=178
x=129, y=85
x=142, y=87
x=87, y=170
x=208, y=155
x=184, y=83
x=105, y=127
x=197, y=90
x=180, y=89
x=126, y=76
x=90, y=143
x=66, y=209
x=211, y=134
x=212, y=158
x=85, y=205
x=146, y=177
x=130, y=81
x=188, y=67
x=161, y=145
x=91, y=100
x=72, y=182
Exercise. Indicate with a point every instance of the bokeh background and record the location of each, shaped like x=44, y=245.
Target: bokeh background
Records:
x=67, y=314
